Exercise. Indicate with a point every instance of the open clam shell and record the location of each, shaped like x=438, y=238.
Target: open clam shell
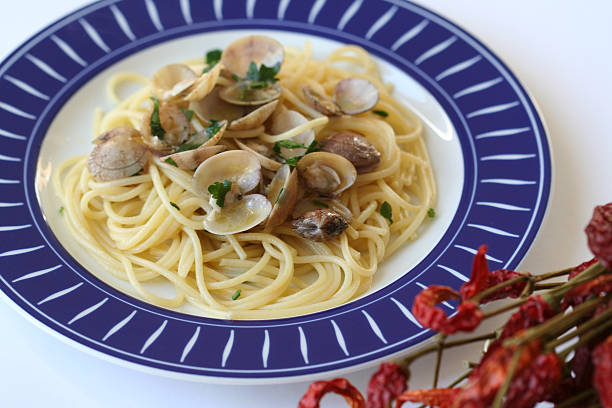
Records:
x=245, y=214
x=355, y=95
x=171, y=80
x=190, y=159
x=237, y=94
x=255, y=118
x=117, y=156
x=321, y=103
x=259, y=49
x=287, y=120
x=326, y=173
x=283, y=193
x=265, y=162
x=237, y=166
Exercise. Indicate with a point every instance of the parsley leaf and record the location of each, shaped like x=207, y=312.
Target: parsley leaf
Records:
x=236, y=294
x=155, y=122
x=252, y=73
x=219, y=190
x=386, y=211
x=61, y=210
x=170, y=161
x=431, y=213
x=292, y=161
x=138, y=172
x=382, y=113
x=290, y=144
x=256, y=79
x=269, y=73
x=175, y=206
x=212, y=58
x=214, y=127
x=312, y=147
x=287, y=144
x=188, y=113
x=280, y=193
x=320, y=203
x=188, y=146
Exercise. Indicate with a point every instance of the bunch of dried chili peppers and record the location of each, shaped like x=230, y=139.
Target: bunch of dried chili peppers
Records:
x=556, y=346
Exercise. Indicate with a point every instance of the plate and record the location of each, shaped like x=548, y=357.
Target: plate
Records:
x=485, y=136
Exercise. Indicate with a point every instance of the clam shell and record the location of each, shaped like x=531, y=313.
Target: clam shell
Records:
x=254, y=48
x=237, y=166
x=326, y=173
x=355, y=95
x=247, y=213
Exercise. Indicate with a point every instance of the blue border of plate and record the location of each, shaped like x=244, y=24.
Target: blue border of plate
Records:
x=506, y=188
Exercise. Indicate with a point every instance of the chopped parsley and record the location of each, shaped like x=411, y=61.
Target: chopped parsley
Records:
x=214, y=127
x=257, y=78
x=293, y=161
x=175, y=206
x=170, y=161
x=236, y=294
x=219, y=190
x=290, y=144
x=188, y=113
x=280, y=193
x=287, y=144
x=188, y=146
x=61, y=210
x=212, y=58
x=138, y=172
x=155, y=122
x=320, y=203
x=431, y=213
x=382, y=113
x=386, y=211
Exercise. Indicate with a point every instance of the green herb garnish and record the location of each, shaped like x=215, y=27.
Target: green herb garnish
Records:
x=175, y=206
x=257, y=78
x=320, y=203
x=155, y=122
x=212, y=58
x=382, y=113
x=188, y=113
x=280, y=193
x=138, y=172
x=214, y=127
x=188, y=146
x=287, y=144
x=61, y=210
x=236, y=294
x=219, y=190
x=170, y=161
x=386, y=211
x=431, y=213
x=290, y=144
x=293, y=161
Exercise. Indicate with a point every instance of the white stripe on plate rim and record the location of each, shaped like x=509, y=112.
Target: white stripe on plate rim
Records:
x=265, y=349
x=502, y=206
x=6, y=205
x=502, y=132
x=380, y=23
x=16, y=111
x=60, y=293
x=492, y=109
x=94, y=35
x=340, y=338
x=218, y=9
x=68, y=50
x=20, y=251
x=186, y=10
x=154, y=15
x=406, y=312
x=493, y=230
x=122, y=22
x=314, y=11
x=435, y=50
x=44, y=67
x=374, y=326
x=26, y=87
x=9, y=158
x=458, y=67
x=473, y=252
x=509, y=156
x=118, y=326
x=7, y=181
x=348, y=14
x=250, y=8
x=509, y=182
x=453, y=272
x=303, y=345
x=11, y=135
x=410, y=34
x=87, y=311
x=478, y=87
x=4, y=228
x=37, y=273
x=228, y=348
x=153, y=337
x=190, y=344
x=282, y=8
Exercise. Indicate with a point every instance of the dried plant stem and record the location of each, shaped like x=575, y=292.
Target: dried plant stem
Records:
x=499, y=397
x=503, y=309
x=461, y=378
x=438, y=360
x=583, y=328
x=405, y=362
x=582, y=397
x=585, y=339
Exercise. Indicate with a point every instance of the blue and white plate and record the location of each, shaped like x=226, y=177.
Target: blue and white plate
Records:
x=486, y=139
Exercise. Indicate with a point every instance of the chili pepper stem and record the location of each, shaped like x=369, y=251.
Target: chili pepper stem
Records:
x=499, y=397
x=441, y=341
x=585, y=339
x=406, y=361
x=461, y=378
x=550, y=285
x=503, y=309
x=554, y=274
x=554, y=296
x=493, y=289
x=592, y=323
x=582, y=397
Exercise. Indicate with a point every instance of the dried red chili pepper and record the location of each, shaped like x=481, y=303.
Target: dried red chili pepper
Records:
x=467, y=318
x=582, y=366
x=485, y=380
x=479, y=279
x=385, y=385
x=436, y=397
x=341, y=386
x=581, y=268
x=511, y=291
x=581, y=293
x=535, y=383
x=602, y=377
x=599, y=234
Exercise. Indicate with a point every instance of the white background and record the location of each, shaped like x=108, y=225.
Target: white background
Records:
x=559, y=49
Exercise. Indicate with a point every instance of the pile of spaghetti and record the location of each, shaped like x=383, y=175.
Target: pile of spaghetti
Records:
x=259, y=183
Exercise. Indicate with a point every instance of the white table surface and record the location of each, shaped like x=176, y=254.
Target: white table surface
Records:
x=560, y=50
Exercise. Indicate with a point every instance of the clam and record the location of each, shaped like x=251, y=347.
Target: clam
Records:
x=213, y=107
x=190, y=159
x=265, y=161
x=205, y=139
x=355, y=95
x=254, y=118
x=316, y=203
x=175, y=124
x=239, y=212
x=321, y=103
x=355, y=148
x=320, y=225
x=237, y=166
x=204, y=84
x=259, y=49
x=287, y=120
x=247, y=213
x=117, y=155
x=172, y=80
x=326, y=173
x=240, y=94
x=283, y=192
